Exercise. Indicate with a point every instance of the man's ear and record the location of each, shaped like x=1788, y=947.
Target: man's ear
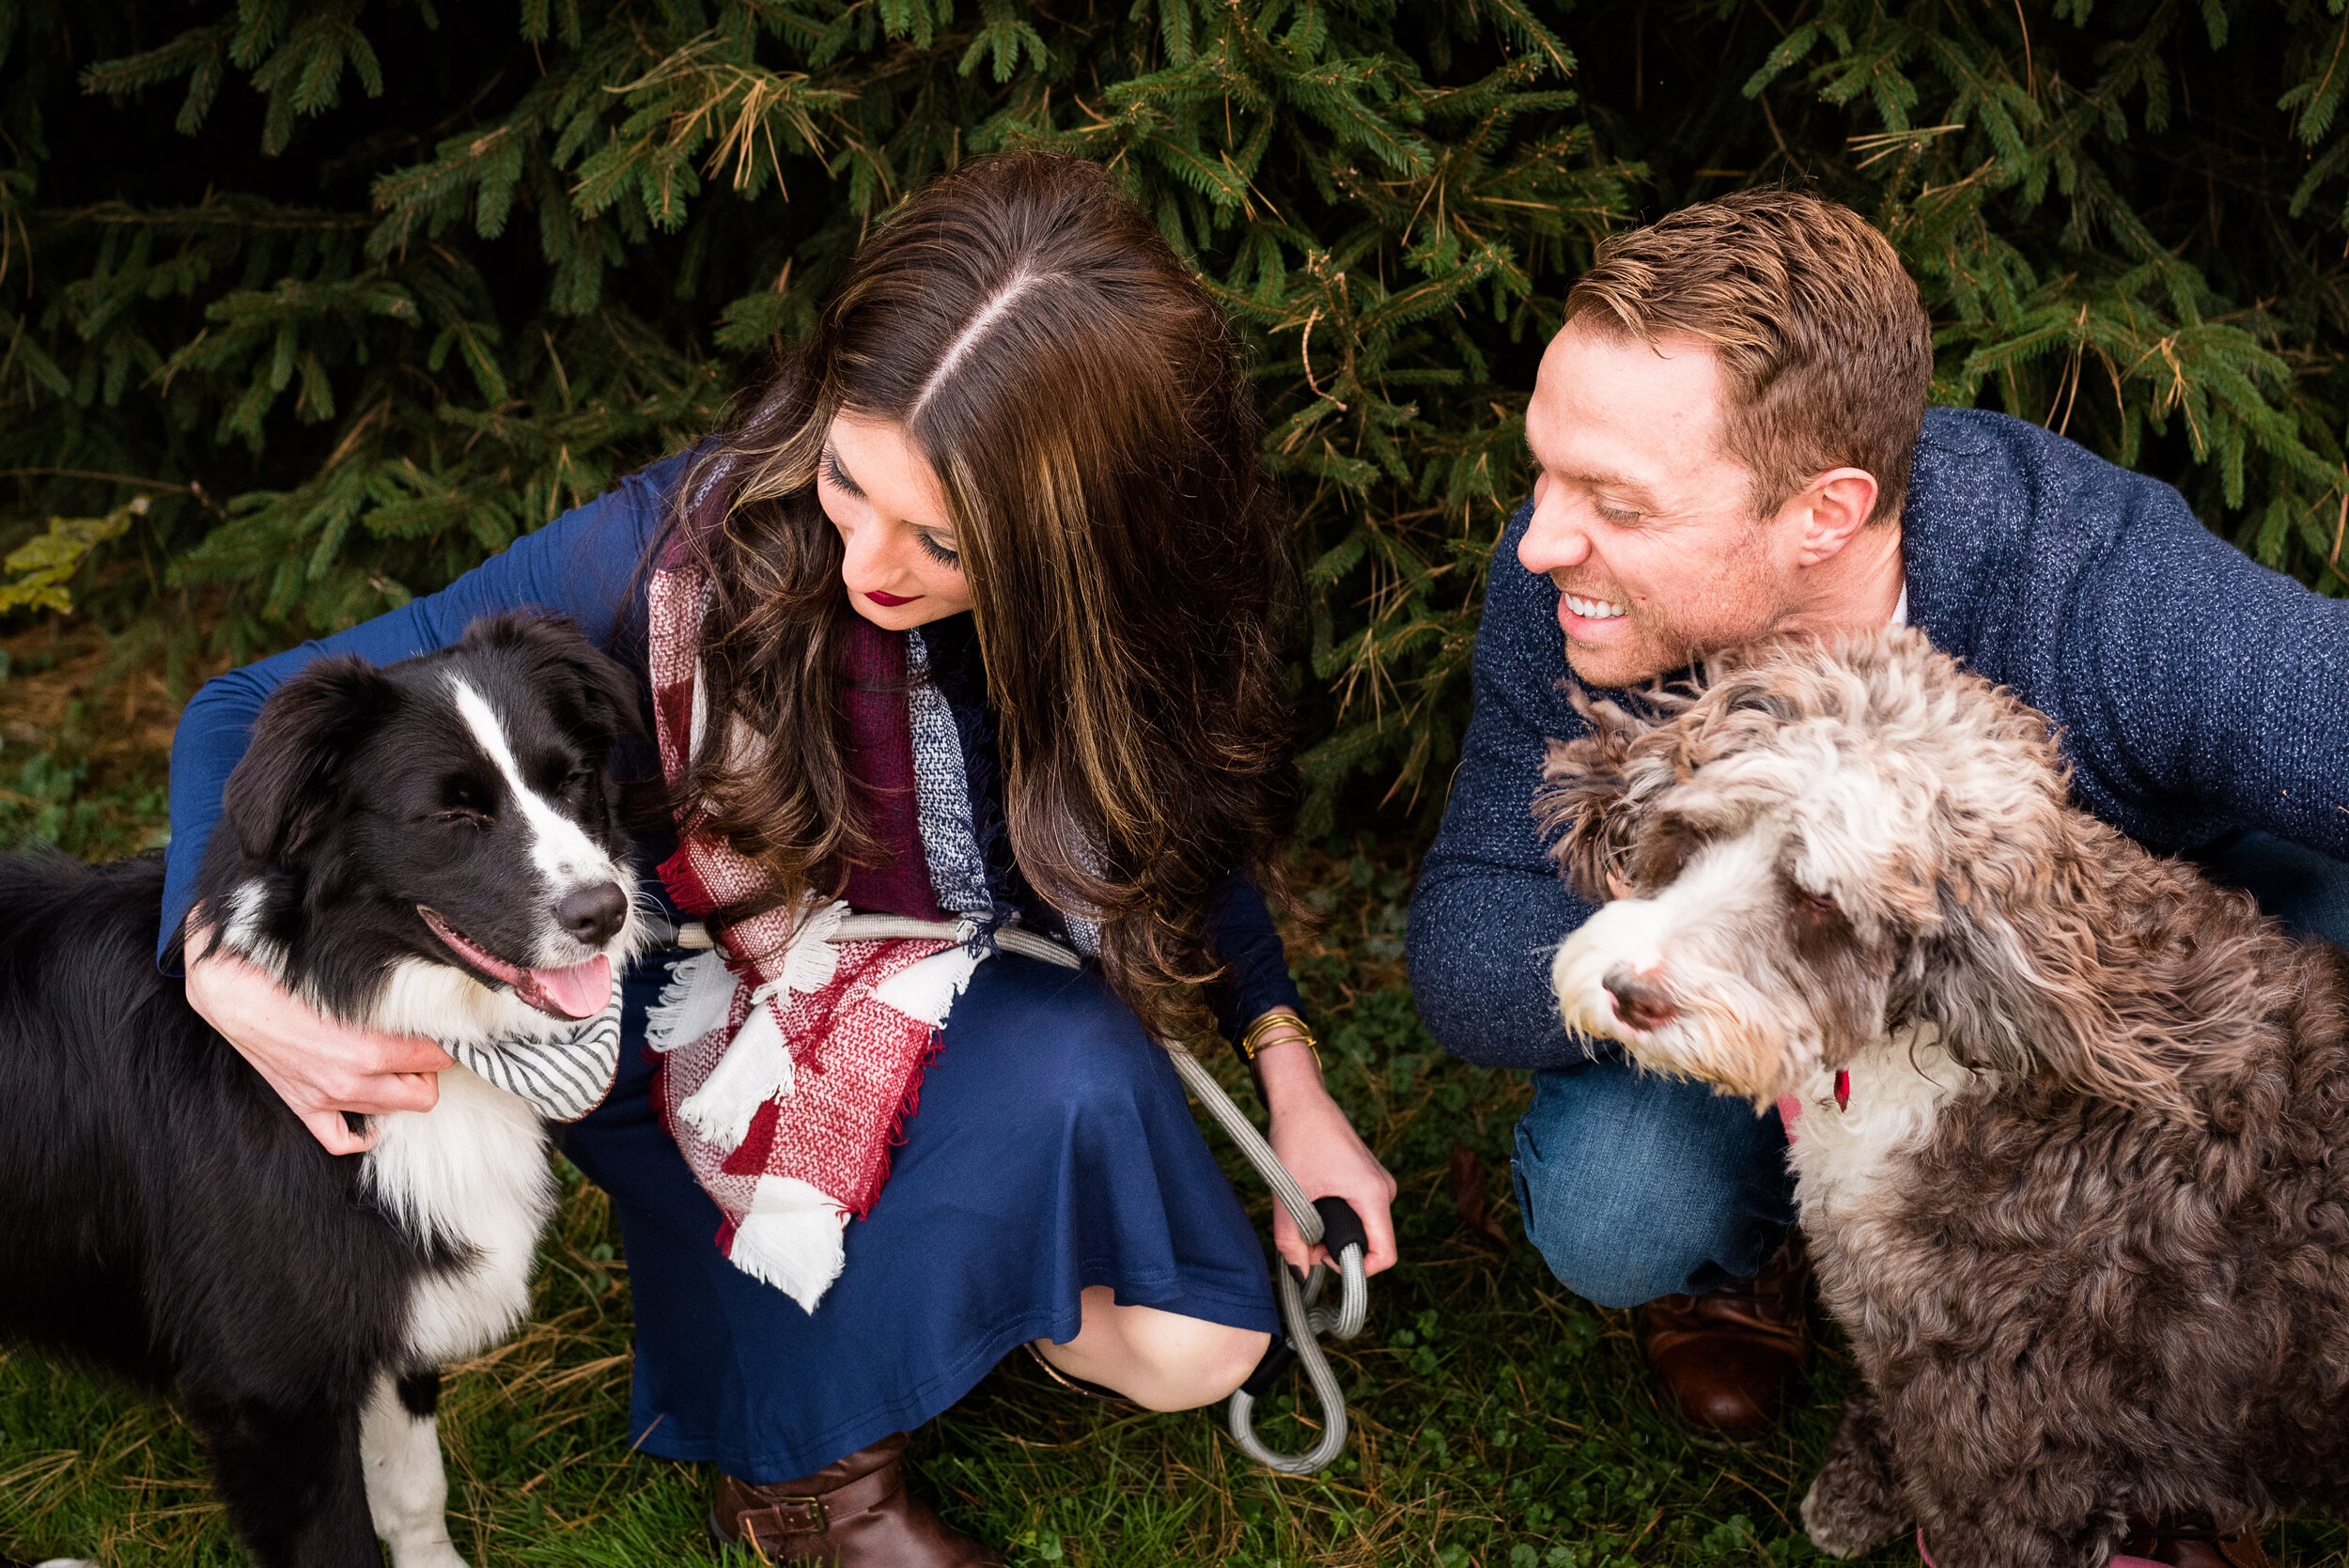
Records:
x=1840, y=503
x=1586, y=797
x=294, y=774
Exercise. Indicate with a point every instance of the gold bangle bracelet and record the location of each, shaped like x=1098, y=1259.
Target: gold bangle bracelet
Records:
x=1286, y=1027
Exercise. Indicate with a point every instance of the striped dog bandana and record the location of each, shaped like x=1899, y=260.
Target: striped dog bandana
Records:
x=565, y=1076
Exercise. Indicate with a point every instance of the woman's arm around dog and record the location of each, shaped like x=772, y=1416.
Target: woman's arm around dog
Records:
x=582, y=565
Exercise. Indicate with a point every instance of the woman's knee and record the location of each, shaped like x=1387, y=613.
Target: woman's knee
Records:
x=1200, y=1367
x=1161, y=1360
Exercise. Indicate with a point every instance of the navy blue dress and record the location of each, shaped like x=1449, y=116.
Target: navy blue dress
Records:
x=1053, y=1150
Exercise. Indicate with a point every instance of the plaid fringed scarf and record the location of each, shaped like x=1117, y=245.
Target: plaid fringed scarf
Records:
x=787, y=1063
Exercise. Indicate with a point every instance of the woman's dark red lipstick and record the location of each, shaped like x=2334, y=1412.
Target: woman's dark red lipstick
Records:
x=890, y=600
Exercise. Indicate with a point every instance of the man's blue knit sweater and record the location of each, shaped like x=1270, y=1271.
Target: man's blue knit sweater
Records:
x=2197, y=694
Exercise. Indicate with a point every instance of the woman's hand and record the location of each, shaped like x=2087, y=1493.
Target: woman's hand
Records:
x=320, y=1067
x=1322, y=1151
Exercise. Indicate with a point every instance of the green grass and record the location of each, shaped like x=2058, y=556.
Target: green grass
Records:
x=82, y=764
x=1499, y=1422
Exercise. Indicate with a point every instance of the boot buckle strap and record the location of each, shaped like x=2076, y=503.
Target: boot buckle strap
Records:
x=786, y=1516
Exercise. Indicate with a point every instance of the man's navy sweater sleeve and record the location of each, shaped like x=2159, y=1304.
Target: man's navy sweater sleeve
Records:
x=2195, y=692
x=2217, y=684
x=583, y=564
x=1490, y=909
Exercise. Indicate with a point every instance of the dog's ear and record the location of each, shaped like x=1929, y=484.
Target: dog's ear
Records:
x=294, y=774
x=2048, y=949
x=595, y=693
x=609, y=692
x=1587, y=796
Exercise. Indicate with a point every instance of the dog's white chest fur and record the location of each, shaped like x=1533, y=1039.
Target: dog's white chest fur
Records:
x=1843, y=1157
x=472, y=1173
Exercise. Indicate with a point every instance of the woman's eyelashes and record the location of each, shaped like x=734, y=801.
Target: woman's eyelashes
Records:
x=931, y=546
x=838, y=475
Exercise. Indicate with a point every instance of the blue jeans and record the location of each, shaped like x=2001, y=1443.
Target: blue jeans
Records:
x=1635, y=1187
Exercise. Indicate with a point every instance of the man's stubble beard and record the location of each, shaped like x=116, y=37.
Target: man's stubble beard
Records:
x=1658, y=647
x=1662, y=644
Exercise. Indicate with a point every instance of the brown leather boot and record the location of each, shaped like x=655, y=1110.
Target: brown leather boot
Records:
x=1726, y=1358
x=854, y=1512
x=2194, y=1544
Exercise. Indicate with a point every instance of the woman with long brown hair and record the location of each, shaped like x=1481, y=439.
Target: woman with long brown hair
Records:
x=975, y=612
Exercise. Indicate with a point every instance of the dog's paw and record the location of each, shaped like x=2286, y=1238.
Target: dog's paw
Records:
x=66, y=1563
x=1844, y=1519
x=433, y=1554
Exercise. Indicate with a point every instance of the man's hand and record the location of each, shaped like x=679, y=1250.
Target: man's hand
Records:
x=320, y=1067
x=1322, y=1151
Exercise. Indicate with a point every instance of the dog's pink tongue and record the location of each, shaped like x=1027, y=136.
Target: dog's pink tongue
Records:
x=580, y=991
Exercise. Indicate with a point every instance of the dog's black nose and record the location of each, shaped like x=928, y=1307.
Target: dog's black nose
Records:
x=1641, y=1000
x=593, y=914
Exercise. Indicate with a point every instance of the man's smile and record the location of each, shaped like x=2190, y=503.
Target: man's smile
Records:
x=1595, y=609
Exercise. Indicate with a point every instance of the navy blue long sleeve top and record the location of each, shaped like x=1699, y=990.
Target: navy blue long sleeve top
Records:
x=2197, y=694
x=583, y=564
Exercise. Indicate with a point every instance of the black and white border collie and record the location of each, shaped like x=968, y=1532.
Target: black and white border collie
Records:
x=430, y=848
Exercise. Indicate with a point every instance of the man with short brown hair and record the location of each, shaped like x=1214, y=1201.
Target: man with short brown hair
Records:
x=1731, y=440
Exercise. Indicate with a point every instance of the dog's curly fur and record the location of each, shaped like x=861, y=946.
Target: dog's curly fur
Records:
x=2087, y=1218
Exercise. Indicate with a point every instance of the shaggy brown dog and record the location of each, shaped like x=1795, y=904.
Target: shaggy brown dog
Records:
x=2086, y=1212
